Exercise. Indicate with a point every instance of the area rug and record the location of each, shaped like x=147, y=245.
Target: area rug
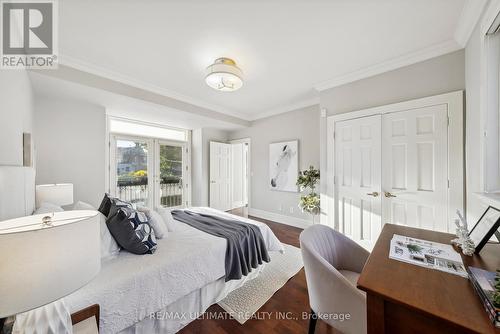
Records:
x=243, y=302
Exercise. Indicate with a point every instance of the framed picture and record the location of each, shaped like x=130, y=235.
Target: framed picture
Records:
x=284, y=165
x=487, y=225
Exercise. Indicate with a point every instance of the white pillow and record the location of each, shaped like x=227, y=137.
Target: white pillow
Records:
x=109, y=247
x=47, y=207
x=167, y=218
x=155, y=220
x=83, y=206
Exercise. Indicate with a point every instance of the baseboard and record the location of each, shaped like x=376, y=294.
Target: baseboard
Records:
x=279, y=218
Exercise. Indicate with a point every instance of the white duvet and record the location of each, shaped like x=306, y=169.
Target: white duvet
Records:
x=130, y=287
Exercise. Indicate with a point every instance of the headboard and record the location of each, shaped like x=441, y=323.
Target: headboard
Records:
x=17, y=191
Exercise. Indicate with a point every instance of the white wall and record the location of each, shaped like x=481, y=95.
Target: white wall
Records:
x=71, y=146
x=432, y=77
x=201, y=161
x=16, y=115
x=301, y=124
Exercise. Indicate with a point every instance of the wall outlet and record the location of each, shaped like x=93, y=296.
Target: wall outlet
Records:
x=291, y=209
x=281, y=207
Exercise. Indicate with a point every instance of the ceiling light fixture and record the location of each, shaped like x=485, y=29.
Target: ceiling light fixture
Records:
x=224, y=75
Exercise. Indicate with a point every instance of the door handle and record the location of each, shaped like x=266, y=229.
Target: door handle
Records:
x=389, y=195
x=374, y=194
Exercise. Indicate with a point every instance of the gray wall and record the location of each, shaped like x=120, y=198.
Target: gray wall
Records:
x=201, y=162
x=432, y=77
x=16, y=115
x=301, y=124
x=71, y=146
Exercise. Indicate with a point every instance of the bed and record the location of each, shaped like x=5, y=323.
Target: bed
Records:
x=157, y=293
x=163, y=292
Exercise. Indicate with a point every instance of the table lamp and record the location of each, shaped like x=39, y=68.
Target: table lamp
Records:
x=42, y=263
x=60, y=194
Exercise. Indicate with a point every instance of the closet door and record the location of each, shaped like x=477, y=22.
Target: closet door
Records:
x=414, y=167
x=358, y=178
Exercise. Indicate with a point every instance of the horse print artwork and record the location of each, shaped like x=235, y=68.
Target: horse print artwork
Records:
x=284, y=165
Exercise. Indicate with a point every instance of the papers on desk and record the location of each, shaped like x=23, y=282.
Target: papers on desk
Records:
x=428, y=254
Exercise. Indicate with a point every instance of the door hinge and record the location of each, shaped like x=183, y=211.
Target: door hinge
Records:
x=448, y=120
x=448, y=183
x=333, y=134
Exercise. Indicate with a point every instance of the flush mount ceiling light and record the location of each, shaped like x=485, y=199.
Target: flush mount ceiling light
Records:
x=224, y=75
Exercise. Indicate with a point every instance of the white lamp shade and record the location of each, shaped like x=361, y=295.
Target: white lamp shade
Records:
x=59, y=194
x=224, y=75
x=39, y=265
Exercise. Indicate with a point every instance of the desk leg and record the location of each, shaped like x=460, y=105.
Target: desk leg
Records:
x=375, y=314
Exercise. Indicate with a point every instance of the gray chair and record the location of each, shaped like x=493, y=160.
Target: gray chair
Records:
x=332, y=263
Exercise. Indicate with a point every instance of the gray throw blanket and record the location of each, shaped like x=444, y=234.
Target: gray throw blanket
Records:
x=246, y=248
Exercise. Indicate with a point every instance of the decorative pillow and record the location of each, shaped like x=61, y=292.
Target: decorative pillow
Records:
x=108, y=202
x=47, y=207
x=82, y=206
x=131, y=229
x=167, y=218
x=155, y=220
x=109, y=247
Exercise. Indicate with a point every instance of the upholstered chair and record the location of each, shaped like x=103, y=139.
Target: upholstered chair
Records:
x=332, y=263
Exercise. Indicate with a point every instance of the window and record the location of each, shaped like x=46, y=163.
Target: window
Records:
x=119, y=126
x=492, y=105
x=149, y=171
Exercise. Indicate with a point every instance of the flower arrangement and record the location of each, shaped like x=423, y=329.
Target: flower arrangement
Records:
x=308, y=179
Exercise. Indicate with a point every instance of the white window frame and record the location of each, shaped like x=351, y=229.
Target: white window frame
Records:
x=153, y=161
x=186, y=170
x=113, y=138
x=490, y=103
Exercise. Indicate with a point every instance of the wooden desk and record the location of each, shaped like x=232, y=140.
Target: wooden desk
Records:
x=404, y=298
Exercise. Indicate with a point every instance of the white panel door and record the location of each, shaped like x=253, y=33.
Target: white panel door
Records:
x=220, y=176
x=237, y=175
x=358, y=178
x=415, y=167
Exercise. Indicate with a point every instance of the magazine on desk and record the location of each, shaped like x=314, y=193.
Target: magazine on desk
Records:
x=428, y=254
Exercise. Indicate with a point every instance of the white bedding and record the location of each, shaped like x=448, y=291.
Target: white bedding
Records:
x=131, y=287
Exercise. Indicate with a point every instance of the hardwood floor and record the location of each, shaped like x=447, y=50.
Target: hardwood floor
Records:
x=291, y=301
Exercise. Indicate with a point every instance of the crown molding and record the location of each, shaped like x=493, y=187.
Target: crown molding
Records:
x=471, y=12
x=118, y=77
x=392, y=64
x=286, y=108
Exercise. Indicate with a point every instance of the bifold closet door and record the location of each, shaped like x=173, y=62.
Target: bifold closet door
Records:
x=415, y=167
x=358, y=178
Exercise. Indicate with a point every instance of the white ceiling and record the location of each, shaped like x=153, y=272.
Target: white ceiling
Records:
x=285, y=48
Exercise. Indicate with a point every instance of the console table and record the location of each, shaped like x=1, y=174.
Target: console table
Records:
x=404, y=298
